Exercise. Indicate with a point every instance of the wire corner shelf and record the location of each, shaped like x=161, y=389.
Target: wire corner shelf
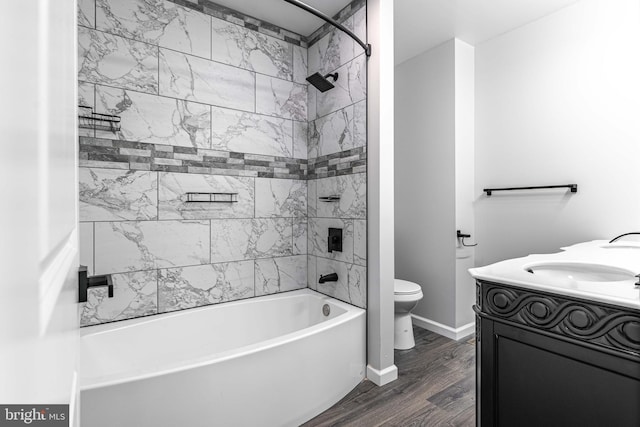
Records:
x=198, y=197
x=328, y=199
x=88, y=119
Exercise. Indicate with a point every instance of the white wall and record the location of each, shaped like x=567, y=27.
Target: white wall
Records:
x=558, y=101
x=425, y=179
x=434, y=183
x=380, y=191
x=465, y=291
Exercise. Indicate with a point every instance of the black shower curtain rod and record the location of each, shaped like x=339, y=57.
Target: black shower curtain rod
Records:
x=316, y=12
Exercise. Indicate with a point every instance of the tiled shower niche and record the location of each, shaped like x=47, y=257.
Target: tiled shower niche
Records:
x=213, y=103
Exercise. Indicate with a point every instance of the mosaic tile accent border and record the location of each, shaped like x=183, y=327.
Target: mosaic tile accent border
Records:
x=128, y=155
x=222, y=12
x=335, y=164
x=119, y=154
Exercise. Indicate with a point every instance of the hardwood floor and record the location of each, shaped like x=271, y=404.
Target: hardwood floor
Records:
x=435, y=387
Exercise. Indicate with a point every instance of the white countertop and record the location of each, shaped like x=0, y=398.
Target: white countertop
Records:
x=622, y=255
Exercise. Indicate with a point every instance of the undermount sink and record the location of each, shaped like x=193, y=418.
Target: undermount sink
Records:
x=580, y=272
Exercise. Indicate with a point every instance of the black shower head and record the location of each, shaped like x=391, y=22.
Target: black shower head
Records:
x=321, y=83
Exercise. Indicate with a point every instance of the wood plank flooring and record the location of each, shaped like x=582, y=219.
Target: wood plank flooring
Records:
x=435, y=387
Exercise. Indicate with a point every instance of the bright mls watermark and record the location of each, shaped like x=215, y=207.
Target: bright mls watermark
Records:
x=34, y=415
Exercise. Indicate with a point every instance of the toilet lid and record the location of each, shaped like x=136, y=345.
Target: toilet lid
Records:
x=404, y=287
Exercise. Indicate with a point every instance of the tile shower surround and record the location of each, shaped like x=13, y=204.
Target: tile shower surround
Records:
x=336, y=160
x=178, y=133
x=138, y=223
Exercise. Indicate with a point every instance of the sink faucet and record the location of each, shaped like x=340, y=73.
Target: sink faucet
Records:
x=623, y=235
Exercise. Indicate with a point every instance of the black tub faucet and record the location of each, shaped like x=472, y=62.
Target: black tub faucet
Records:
x=331, y=277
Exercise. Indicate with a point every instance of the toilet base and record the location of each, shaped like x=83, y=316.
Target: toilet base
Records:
x=403, y=332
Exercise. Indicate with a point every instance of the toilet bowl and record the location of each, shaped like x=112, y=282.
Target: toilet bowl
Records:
x=406, y=296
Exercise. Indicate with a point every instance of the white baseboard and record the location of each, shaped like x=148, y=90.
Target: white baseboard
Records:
x=457, y=334
x=382, y=377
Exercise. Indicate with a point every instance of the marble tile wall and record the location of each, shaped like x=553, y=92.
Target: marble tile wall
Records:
x=252, y=50
x=158, y=23
x=350, y=214
x=336, y=48
x=215, y=101
x=180, y=77
x=112, y=195
x=134, y=295
x=169, y=254
x=339, y=131
x=336, y=52
x=350, y=88
x=146, y=245
x=116, y=61
x=336, y=160
x=239, y=131
x=146, y=117
x=224, y=13
x=280, y=274
x=173, y=204
x=351, y=286
x=341, y=16
x=187, y=287
x=241, y=239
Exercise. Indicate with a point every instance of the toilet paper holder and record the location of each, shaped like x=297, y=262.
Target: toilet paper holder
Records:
x=461, y=236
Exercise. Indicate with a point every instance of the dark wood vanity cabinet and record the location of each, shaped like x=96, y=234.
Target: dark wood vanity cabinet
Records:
x=549, y=360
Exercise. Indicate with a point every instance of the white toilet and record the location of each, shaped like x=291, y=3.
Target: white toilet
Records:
x=406, y=296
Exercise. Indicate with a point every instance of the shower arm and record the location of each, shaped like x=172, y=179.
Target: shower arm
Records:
x=316, y=12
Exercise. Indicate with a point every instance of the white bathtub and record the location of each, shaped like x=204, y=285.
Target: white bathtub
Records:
x=267, y=361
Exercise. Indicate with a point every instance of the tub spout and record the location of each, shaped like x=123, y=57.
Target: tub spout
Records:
x=332, y=277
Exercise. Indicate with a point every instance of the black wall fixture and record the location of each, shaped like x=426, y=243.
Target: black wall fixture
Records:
x=460, y=235
x=85, y=282
x=321, y=82
x=572, y=187
x=335, y=240
x=331, y=277
x=329, y=198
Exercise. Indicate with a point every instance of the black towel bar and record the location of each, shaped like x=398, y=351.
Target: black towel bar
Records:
x=573, y=187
